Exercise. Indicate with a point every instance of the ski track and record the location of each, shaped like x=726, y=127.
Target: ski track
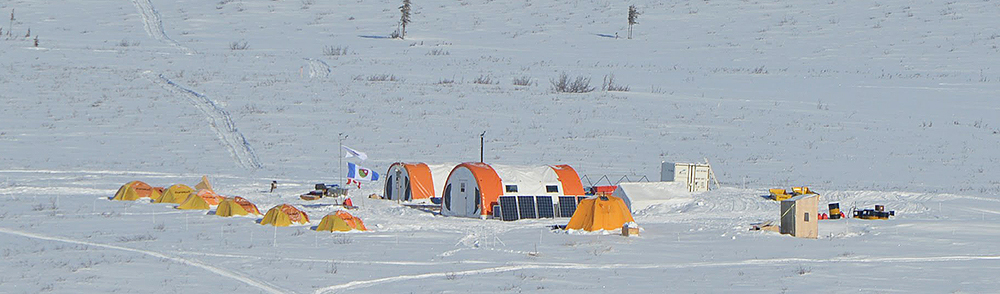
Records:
x=318, y=68
x=222, y=272
x=581, y=266
x=219, y=119
x=154, y=26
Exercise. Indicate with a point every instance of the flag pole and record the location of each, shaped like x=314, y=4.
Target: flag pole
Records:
x=340, y=157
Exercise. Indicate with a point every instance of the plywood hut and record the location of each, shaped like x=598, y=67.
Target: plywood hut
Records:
x=798, y=216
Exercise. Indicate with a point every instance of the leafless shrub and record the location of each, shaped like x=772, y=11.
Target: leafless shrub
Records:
x=451, y=276
x=332, y=269
x=522, y=81
x=239, y=45
x=565, y=85
x=378, y=78
x=446, y=81
x=160, y=227
x=334, y=51
x=483, y=80
x=610, y=86
x=299, y=232
x=342, y=239
x=438, y=52
x=803, y=270
x=127, y=43
x=136, y=238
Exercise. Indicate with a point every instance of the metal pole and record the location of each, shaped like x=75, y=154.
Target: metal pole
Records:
x=340, y=158
x=482, y=145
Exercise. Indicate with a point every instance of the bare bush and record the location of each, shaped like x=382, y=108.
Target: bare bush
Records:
x=610, y=86
x=239, y=45
x=136, y=238
x=522, y=81
x=446, y=81
x=565, y=85
x=483, y=80
x=437, y=52
x=127, y=43
x=334, y=51
x=378, y=78
x=342, y=239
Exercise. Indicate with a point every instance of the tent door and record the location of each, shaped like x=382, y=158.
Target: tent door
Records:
x=397, y=186
x=465, y=204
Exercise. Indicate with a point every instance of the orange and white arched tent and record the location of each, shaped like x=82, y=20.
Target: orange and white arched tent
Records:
x=412, y=181
x=473, y=188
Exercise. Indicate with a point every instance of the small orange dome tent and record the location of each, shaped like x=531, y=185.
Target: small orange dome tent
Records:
x=175, y=194
x=600, y=213
x=236, y=206
x=284, y=215
x=135, y=190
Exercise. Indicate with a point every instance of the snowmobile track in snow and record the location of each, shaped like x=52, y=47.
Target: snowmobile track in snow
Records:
x=219, y=119
x=222, y=272
x=154, y=26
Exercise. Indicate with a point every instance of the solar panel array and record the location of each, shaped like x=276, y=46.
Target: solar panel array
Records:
x=508, y=208
x=511, y=208
x=544, y=206
x=526, y=206
x=567, y=206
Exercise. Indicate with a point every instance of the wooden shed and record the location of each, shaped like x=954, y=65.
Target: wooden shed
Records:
x=798, y=216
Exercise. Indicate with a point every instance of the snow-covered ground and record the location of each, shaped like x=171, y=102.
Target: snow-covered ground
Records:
x=887, y=102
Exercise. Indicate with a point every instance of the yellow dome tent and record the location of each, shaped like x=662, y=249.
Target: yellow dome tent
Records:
x=333, y=223
x=600, y=213
x=175, y=194
x=236, y=206
x=135, y=190
x=193, y=201
x=284, y=215
x=341, y=222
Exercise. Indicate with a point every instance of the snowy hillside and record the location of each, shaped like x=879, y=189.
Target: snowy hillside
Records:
x=888, y=102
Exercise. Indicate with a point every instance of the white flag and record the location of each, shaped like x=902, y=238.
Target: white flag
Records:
x=352, y=152
x=360, y=173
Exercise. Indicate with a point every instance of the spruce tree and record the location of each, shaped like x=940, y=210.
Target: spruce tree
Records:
x=404, y=18
x=633, y=15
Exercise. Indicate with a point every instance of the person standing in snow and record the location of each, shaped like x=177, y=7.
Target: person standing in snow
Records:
x=274, y=185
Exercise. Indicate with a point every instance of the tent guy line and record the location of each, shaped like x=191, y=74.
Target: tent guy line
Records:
x=222, y=272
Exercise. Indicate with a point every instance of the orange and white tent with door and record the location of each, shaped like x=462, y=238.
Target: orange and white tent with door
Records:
x=284, y=215
x=236, y=206
x=472, y=188
x=341, y=221
x=136, y=189
x=600, y=213
x=413, y=181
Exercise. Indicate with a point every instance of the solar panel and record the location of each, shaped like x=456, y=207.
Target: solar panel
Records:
x=526, y=207
x=508, y=208
x=567, y=206
x=544, y=205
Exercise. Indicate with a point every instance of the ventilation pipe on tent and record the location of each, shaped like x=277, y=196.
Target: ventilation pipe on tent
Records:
x=482, y=145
